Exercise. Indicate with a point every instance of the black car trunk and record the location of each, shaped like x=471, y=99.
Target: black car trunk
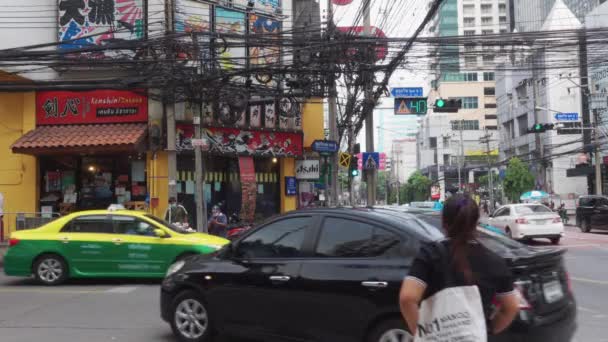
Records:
x=543, y=280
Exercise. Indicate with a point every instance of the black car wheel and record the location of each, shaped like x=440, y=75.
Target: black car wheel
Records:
x=509, y=233
x=392, y=330
x=50, y=269
x=585, y=226
x=555, y=240
x=190, y=318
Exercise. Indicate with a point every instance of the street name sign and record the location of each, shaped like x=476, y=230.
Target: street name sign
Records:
x=566, y=117
x=407, y=92
x=325, y=146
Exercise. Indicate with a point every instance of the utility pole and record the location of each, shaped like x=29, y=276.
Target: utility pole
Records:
x=540, y=146
x=598, y=157
x=585, y=93
x=169, y=113
x=461, y=156
x=486, y=140
x=201, y=213
x=369, y=120
x=332, y=116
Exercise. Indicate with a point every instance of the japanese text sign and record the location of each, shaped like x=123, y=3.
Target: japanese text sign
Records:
x=87, y=107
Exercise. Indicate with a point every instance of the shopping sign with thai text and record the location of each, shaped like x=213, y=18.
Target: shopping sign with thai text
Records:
x=566, y=117
x=88, y=107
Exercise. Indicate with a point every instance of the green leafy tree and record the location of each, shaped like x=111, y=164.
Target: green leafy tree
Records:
x=518, y=179
x=419, y=187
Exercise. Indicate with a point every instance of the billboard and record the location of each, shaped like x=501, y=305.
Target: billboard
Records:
x=86, y=23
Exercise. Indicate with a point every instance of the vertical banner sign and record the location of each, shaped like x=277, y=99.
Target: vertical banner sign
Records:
x=255, y=116
x=97, y=22
x=290, y=186
x=270, y=116
x=248, y=188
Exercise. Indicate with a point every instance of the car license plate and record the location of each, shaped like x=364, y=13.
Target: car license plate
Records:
x=553, y=291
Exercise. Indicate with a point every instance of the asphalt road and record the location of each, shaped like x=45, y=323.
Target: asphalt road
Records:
x=118, y=310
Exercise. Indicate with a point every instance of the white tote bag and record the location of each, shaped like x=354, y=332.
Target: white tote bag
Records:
x=452, y=314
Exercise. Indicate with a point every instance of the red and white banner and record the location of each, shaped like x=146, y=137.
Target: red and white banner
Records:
x=248, y=188
x=243, y=142
x=90, y=107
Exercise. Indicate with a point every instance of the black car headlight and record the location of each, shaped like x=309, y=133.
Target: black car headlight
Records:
x=175, y=267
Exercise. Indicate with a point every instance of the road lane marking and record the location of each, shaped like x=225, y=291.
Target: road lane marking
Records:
x=46, y=291
x=590, y=281
x=584, y=309
x=122, y=289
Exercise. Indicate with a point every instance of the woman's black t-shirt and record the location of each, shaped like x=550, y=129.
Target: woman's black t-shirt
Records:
x=490, y=272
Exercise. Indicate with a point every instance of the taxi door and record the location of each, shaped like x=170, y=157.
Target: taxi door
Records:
x=140, y=252
x=87, y=242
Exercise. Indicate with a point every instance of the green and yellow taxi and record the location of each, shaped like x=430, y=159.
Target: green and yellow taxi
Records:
x=103, y=243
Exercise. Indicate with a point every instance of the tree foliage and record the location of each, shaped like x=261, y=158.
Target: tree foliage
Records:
x=518, y=179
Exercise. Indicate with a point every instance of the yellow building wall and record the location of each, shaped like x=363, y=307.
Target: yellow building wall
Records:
x=287, y=168
x=312, y=121
x=158, y=182
x=313, y=128
x=19, y=181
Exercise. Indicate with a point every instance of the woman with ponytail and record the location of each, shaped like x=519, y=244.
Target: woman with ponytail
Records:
x=468, y=263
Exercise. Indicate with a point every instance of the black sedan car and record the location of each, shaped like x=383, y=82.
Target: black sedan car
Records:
x=334, y=275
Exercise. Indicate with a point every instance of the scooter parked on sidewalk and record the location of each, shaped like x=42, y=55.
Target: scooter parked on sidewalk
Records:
x=237, y=227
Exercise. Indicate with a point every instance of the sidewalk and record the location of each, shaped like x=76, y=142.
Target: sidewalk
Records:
x=3, y=248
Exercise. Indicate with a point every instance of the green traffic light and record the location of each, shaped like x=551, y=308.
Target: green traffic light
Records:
x=538, y=127
x=354, y=173
x=440, y=103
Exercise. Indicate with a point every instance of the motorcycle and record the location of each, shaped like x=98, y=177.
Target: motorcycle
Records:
x=236, y=227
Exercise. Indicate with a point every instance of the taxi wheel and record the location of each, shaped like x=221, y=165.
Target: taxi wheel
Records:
x=190, y=319
x=50, y=269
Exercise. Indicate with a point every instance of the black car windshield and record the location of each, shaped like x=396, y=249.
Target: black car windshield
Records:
x=532, y=210
x=169, y=225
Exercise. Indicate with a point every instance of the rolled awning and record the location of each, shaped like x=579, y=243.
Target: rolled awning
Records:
x=82, y=138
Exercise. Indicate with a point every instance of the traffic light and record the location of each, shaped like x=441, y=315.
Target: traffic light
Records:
x=541, y=128
x=447, y=106
x=354, y=166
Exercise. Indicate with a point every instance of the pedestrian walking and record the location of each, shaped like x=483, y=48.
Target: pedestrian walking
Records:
x=485, y=207
x=176, y=213
x=460, y=261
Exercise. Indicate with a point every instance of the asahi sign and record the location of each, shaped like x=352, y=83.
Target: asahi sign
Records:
x=307, y=169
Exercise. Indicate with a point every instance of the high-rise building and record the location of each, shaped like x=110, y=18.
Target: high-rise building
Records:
x=449, y=149
x=529, y=15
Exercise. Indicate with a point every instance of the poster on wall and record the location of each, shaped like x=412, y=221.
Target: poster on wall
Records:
x=97, y=22
x=248, y=188
x=60, y=107
x=193, y=16
x=265, y=54
x=243, y=142
x=231, y=22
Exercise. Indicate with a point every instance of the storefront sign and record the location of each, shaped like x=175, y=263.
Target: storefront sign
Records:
x=88, y=107
x=248, y=188
x=243, y=142
x=307, y=169
x=290, y=186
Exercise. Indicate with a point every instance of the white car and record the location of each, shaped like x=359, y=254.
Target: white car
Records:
x=528, y=221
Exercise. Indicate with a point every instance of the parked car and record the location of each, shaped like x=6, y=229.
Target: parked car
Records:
x=527, y=221
x=592, y=213
x=102, y=243
x=335, y=274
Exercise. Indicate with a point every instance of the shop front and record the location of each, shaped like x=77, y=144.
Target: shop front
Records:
x=90, y=148
x=245, y=165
